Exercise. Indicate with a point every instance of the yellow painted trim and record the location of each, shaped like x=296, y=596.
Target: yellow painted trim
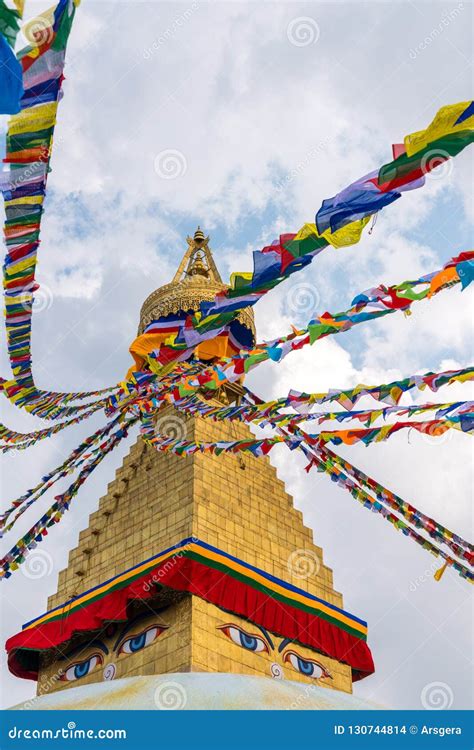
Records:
x=193, y=547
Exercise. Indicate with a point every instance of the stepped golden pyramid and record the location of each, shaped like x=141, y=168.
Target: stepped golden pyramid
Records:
x=234, y=510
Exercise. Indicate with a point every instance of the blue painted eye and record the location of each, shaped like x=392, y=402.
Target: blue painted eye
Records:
x=306, y=666
x=246, y=640
x=137, y=642
x=82, y=668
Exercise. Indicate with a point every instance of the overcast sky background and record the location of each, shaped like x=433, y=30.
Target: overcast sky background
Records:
x=271, y=107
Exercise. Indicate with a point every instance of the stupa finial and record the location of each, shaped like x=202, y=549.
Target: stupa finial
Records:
x=199, y=235
x=198, y=262
x=196, y=279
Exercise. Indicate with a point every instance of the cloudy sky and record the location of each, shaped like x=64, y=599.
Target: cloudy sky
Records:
x=266, y=108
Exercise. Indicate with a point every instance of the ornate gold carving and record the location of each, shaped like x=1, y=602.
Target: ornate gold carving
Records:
x=198, y=259
x=196, y=279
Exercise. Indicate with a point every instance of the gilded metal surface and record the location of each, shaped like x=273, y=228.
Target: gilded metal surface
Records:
x=196, y=279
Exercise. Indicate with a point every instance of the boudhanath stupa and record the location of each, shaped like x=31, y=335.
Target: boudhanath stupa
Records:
x=196, y=584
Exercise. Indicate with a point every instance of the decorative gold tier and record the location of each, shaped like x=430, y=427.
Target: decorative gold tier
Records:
x=197, y=279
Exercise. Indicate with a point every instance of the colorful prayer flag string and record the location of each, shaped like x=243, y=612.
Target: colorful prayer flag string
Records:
x=184, y=360
x=53, y=515
x=28, y=153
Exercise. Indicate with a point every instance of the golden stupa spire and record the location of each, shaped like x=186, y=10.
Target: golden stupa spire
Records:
x=198, y=260
x=196, y=279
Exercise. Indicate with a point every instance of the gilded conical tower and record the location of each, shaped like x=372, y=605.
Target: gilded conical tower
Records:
x=198, y=563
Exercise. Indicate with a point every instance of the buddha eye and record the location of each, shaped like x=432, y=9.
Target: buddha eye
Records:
x=308, y=667
x=142, y=640
x=244, y=639
x=81, y=668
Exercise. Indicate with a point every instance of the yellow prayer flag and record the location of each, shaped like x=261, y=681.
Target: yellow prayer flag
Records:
x=442, y=124
x=22, y=264
x=234, y=276
x=348, y=235
x=33, y=119
x=384, y=431
x=19, y=298
x=307, y=230
x=33, y=200
x=464, y=377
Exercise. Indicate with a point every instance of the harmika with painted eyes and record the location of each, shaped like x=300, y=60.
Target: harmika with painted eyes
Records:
x=114, y=652
x=116, y=642
x=264, y=643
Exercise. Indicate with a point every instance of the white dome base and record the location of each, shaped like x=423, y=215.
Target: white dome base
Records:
x=198, y=690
